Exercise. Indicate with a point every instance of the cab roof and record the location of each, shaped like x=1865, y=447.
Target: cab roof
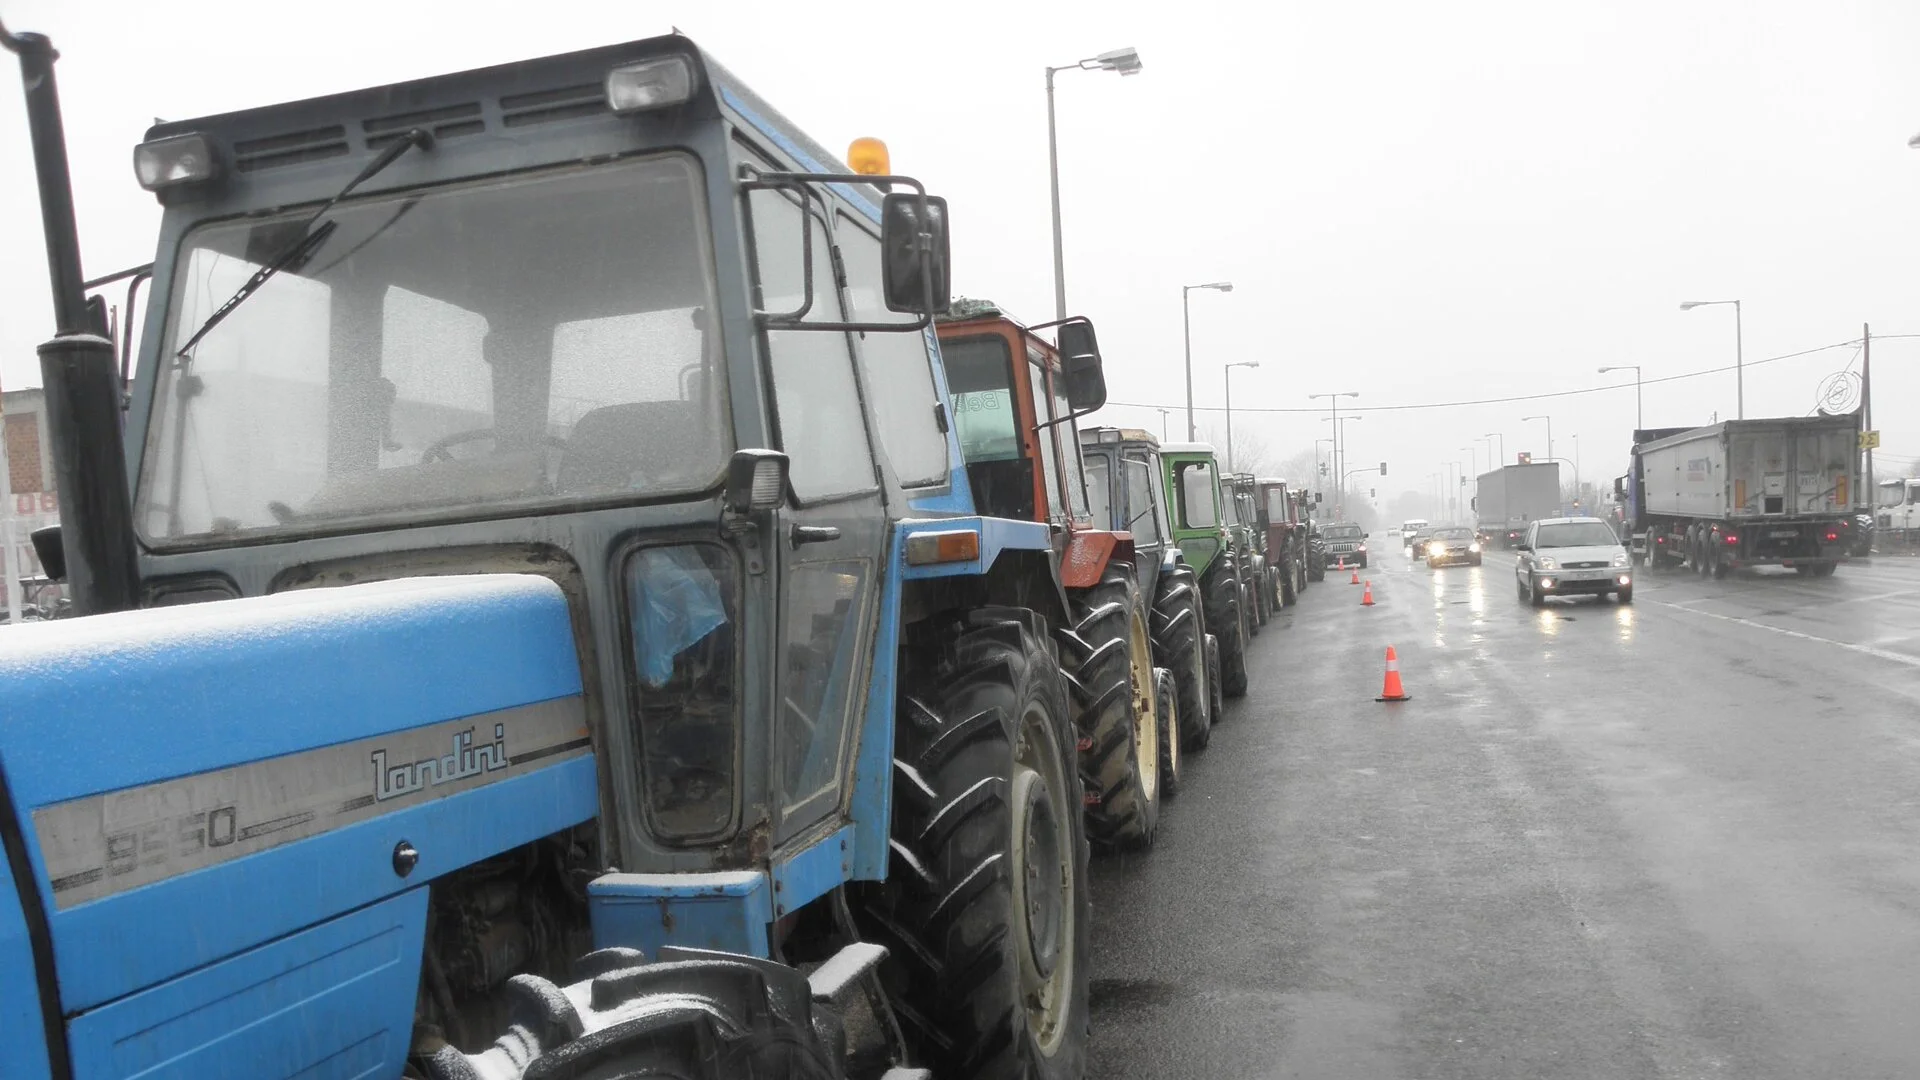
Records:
x=1187, y=448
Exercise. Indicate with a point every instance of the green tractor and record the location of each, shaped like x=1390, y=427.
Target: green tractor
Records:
x=1203, y=526
x=1127, y=485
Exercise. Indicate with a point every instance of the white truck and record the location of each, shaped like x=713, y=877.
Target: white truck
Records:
x=1748, y=493
x=1510, y=497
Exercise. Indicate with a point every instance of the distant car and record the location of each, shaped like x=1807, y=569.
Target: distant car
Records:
x=1407, y=528
x=1452, y=545
x=1570, y=556
x=1416, y=541
x=1345, y=542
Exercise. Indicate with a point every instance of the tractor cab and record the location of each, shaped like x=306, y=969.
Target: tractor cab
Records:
x=1282, y=520
x=1203, y=517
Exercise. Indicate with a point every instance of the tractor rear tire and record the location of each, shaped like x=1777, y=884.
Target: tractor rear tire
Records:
x=1179, y=645
x=984, y=911
x=1228, y=621
x=1262, y=598
x=1166, y=697
x=1108, y=659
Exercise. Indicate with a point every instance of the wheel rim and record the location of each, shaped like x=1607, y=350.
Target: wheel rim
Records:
x=1043, y=885
x=1166, y=703
x=1146, y=711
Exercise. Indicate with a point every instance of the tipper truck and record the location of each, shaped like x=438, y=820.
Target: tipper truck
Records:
x=1746, y=493
x=1513, y=495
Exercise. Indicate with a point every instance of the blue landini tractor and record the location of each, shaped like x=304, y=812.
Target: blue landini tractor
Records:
x=531, y=617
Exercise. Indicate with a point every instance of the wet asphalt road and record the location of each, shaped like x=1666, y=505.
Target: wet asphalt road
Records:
x=1678, y=839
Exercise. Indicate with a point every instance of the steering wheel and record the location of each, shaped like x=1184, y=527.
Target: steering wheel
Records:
x=438, y=451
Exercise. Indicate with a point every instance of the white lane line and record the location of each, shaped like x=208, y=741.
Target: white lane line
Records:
x=1868, y=650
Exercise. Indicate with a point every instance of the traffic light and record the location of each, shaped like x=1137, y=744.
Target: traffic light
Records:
x=1526, y=458
x=1383, y=468
x=1373, y=493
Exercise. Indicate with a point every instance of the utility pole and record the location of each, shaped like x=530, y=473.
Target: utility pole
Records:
x=1868, y=494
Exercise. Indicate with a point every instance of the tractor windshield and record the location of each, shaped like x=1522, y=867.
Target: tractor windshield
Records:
x=540, y=340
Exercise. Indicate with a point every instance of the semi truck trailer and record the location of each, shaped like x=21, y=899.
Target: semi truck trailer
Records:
x=1744, y=493
x=1509, y=497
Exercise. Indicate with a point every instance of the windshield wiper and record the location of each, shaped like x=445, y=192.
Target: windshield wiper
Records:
x=311, y=237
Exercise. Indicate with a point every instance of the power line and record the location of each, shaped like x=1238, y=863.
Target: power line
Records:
x=1517, y=397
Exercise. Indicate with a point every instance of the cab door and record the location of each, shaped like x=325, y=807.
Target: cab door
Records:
x=830, y=539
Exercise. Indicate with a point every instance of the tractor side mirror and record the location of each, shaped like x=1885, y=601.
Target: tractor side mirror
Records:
x=53, y=556
x=1080, y=364
x=1619, y=487
x=918, y=254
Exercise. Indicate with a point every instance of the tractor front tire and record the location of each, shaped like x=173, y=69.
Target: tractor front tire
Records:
x=1228, y=621
x=1179, y=645
x=984, y=911
x=1290, y=583
x=1108, y=659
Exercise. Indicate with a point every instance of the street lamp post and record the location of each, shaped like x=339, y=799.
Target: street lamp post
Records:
x=1227, y=375
x=1739, y=360
x=1335, y=399
x=1124, y=61
x=1503, y=447
x=1186, y=328
x=1164, y=413
x=1340, y=454
x=1549, y=421
x=1639, y=414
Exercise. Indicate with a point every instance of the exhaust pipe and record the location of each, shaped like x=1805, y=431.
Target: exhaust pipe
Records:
x=81, y=377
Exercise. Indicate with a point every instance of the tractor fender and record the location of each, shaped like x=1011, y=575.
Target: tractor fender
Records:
x=1087, y=556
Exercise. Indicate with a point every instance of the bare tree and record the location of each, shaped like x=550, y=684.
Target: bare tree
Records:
x=1250, y=452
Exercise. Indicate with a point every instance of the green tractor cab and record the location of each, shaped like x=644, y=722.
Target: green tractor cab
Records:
x=1203, y=523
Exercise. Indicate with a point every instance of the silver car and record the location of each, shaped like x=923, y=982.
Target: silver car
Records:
x=1570, y=556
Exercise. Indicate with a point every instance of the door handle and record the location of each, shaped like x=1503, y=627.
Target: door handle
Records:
x=812, y=534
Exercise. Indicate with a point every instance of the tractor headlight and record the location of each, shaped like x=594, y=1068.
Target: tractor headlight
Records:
x=174, y=160
x=649, y=84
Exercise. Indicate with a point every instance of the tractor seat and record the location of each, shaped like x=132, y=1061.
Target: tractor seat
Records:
x=647, y=445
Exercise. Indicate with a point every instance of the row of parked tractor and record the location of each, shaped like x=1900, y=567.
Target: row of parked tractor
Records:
x=651, y=661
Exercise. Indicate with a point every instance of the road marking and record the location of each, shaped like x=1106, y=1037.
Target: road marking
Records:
x=1869, y=650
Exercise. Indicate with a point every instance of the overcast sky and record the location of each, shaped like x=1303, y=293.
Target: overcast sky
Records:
x=1421, y=202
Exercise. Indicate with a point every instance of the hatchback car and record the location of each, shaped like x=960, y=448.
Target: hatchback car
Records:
x=1452, y=545
x=1570, y=556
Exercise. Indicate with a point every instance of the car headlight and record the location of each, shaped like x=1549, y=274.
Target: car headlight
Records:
x=1362, y=547
x=1620, y=559
x=1547, y=564
x=1474, y=547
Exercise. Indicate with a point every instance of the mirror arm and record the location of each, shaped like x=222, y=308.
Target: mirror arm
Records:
x=752, y=179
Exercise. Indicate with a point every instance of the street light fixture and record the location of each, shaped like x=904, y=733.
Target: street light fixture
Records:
x=1639, y=415
x=1124, y=61
x=1739, y=360
x=1164, y=413
x=1227, y=375
x=1186, y=324
x=1549, y=421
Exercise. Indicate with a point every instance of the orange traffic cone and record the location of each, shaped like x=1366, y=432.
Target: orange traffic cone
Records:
x=1356, y=576
x=1393, y=691
x=1343, y=564
x=1366, y=598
